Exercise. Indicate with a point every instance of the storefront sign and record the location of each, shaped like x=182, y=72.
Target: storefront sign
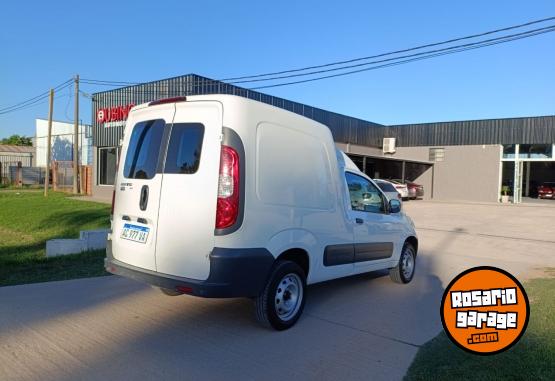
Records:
x=113, y=114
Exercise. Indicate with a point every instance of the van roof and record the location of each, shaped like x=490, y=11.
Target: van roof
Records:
x=229, y=98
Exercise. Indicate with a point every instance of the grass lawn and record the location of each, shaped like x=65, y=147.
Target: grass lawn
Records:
x=28, y=220
x=532, y=358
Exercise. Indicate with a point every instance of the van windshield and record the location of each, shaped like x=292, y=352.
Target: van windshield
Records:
x=144, y=146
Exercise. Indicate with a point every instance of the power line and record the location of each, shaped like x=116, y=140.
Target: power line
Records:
x=390, y=62
x=68, y=101
x=462, y=49
x=33, y=100
x=395, y=52
x=233, y=80
x=38, y=102
x=455, y=48
x=103, y=82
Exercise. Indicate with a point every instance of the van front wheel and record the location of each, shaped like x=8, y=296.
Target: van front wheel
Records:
x=404, y=271
x=282, y=301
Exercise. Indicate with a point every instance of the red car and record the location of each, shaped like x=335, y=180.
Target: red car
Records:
x=546, y=190
x=415, y=190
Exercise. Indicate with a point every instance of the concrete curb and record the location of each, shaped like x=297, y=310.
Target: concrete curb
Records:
x=88, y=240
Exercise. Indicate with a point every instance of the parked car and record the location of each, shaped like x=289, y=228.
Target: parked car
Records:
x=415, y=190
x=546, y=190
x=389, y=189
x=401, y=188
x=221, y=196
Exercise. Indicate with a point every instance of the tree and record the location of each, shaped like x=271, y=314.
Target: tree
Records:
x=17, y=140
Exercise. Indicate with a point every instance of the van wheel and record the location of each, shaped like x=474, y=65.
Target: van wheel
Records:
x=282, y=301
x=167, y=291
x=404, y=271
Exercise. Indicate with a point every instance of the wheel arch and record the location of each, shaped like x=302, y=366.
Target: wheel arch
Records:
x=297, y=255
x=414, y=242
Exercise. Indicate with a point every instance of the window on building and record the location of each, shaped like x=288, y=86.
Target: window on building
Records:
x=107, y=159
x=144, y=146
x=509, y=151
x=535, y=151
x=437, y=154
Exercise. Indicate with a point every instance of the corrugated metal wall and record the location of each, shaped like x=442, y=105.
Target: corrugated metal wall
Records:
x=26, y=159
x=345, y=129
x=531, y=130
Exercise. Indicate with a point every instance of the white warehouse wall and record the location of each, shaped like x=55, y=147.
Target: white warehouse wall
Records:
x=62, y=142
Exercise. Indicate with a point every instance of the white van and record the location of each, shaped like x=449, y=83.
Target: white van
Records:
x=222, y=196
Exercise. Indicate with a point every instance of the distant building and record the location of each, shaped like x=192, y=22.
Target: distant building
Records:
x=10, y=154
x=62, y=142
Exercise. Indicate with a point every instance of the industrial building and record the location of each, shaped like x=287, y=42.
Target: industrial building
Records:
x=463, y=160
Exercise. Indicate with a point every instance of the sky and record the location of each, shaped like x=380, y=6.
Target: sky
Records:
x=45, y=43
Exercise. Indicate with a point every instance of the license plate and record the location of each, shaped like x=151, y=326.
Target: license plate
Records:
x=135, y=233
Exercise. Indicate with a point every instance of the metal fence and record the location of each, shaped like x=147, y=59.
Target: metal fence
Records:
x=13, y=173
x=29, y=175
x=62, y=175
x=5, y=166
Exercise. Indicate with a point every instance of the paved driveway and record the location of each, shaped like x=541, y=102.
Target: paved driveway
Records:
x=359, y=328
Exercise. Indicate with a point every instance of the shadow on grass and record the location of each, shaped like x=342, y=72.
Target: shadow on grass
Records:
x=72, y=222
x=21, y=270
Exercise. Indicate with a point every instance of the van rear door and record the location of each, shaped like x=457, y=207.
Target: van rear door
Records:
x=138, y=186
x=189, y=192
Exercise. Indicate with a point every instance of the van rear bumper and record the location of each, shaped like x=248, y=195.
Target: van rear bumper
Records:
x=233, y=273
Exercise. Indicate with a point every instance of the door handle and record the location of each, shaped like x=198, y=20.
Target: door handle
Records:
x=143, y=201
x=359, y=220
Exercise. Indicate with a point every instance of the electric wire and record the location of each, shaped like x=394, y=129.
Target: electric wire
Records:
x=256, y=78
x=396, y=63
x=390, y=62
x=394, y=52
x=38, y=96
x=273, y=76
x=34, y=100
x=478, y=44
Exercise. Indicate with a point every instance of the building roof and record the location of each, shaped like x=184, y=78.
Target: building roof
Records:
x=523, y=130
x=345, y=129
x=16, y=149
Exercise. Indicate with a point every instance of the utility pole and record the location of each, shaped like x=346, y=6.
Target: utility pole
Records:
x=48, y=143
x=76, y=138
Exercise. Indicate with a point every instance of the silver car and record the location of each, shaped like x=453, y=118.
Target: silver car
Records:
x=389, y=189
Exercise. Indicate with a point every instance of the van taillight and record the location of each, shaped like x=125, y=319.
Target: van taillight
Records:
x=228, y=188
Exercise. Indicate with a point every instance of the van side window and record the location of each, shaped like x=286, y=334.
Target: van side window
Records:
x=364, y=195
x=144, y=146
x=184, y=148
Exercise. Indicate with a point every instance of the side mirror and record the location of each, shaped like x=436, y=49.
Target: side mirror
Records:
x=394, y=206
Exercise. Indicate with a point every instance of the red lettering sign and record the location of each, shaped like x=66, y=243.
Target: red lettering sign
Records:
x=113, y=114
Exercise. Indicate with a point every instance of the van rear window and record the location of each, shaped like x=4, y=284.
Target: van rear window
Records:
x=184, y=148
x=144, y=146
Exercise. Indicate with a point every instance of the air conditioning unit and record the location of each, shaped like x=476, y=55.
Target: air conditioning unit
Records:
x=388, y=145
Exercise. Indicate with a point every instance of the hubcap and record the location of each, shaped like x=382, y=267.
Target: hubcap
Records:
x=407, y=264
x=289, y=296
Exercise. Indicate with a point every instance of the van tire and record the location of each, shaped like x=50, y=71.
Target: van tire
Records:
x=398, y=273
x=266, y=311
